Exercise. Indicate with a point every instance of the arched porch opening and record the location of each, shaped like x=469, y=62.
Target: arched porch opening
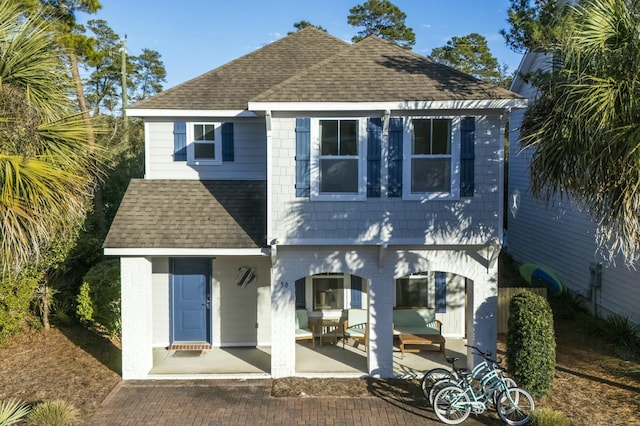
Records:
x=327, y=301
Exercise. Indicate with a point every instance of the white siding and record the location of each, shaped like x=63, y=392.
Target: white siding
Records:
x=561, y=237
x=241, y=316
x=473, y=220
x=249, y=154
x=453, y=320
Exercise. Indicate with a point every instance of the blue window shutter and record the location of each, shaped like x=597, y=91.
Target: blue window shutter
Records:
x=395, y=157
x=374, y=156
x=303, y=157
x=467, y=156
x=301, y=300
x=441, y=292
x=227, y=142
x=179, y=141
x=356, y=291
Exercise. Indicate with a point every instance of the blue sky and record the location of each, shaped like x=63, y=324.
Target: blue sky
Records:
x=195, y=36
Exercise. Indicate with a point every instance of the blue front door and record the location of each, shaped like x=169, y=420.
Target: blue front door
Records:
x=190, y=299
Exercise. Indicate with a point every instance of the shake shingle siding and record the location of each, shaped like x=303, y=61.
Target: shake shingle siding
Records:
x=249, y=163
x=472, y=220
x=190, y=214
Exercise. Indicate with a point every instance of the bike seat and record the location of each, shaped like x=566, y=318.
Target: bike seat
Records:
x=451, y=360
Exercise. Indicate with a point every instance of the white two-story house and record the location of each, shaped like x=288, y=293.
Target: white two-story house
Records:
x=338, y=175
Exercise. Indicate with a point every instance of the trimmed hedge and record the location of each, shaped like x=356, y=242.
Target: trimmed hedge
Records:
x=531, y=344
x=99, y=298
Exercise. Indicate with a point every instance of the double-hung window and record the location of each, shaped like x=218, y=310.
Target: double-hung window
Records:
x=337, y=170
x=206, y=143
x=431, y=159
x=413, y=291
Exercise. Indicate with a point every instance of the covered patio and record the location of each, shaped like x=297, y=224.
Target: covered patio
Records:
x=320, y=361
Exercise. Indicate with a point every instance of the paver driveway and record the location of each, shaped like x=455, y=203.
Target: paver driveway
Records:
x=237, y=402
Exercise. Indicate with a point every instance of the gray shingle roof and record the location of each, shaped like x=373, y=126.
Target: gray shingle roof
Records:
x=233, y=84
x=313, y=66
x=375, y=70
x=190, y=214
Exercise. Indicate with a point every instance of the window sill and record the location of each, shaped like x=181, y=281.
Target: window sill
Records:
x=335, y=197
x=433, y=196
x=204, y=163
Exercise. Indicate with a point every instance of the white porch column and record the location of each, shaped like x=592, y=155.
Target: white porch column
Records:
x=137, y=333
x=483, y=301
x=380, y=348
x=283, y=334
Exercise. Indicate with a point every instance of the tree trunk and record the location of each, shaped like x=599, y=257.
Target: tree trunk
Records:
x=82, y=104
x=45, y=303
x=91, y=141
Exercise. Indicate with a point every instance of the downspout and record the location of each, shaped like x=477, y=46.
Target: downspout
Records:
x=504, y=121
x=267, y=119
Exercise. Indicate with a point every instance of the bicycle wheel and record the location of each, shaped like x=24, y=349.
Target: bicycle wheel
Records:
x=509, y=382
x=452, y=405
x=514, y=406
x=432, y=376
x=439, y=385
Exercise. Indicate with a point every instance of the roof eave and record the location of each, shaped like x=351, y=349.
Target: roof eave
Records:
x=172, y=251
x=479, y=104
x=157, y=112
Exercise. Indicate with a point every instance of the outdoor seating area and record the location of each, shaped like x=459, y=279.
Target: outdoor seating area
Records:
x=417, y=327
x=414, y=327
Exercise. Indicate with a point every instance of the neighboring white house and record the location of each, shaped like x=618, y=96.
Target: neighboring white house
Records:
x=559, y=235
x=363, y=171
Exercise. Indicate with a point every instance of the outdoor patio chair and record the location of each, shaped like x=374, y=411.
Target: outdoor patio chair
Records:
x=355, y=326
x=303, y=332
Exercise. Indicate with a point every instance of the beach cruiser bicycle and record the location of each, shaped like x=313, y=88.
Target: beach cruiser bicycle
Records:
x=455, y=398
x=455, y=374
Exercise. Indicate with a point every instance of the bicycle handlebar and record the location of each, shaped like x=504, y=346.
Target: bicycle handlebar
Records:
x=486, y=355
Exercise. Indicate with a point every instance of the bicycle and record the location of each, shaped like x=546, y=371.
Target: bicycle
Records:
x=453, y=403
x=455, y=374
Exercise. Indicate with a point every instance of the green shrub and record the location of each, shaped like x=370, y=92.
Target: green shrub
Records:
x=12, y=411
x=99, y=297
x=84, y=306
x=531, y=345
x=567, y=304
x=61, y=313
x=549, y=417
x=53, y=413
x=16, y=294
x=620, y=329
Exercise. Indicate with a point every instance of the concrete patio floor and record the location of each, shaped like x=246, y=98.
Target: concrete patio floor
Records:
x=328, y=360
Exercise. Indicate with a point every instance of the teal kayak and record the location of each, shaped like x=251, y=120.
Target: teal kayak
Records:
x=538, y=274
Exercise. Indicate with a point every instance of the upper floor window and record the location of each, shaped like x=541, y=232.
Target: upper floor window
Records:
x=337, y=160
x=431, y=159
x=205, y=145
